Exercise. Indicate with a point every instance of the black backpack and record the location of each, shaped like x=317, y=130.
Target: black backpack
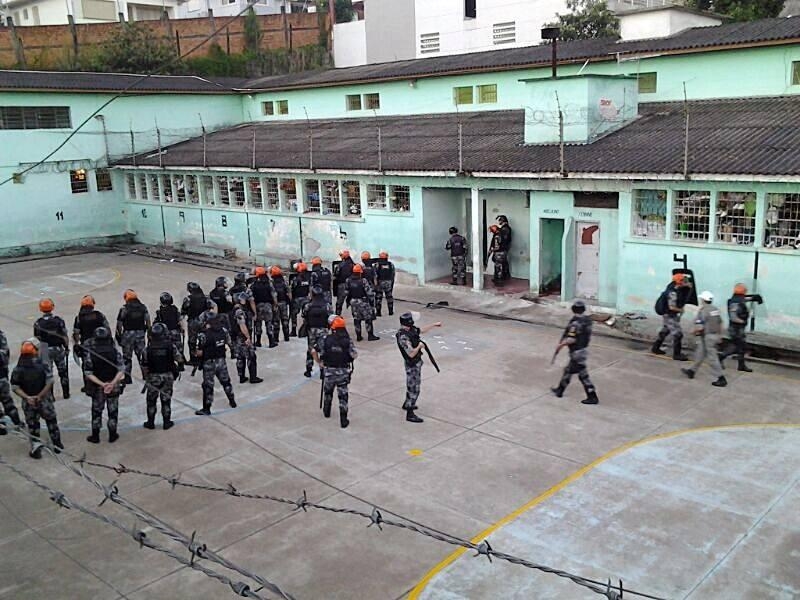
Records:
x=662, y=304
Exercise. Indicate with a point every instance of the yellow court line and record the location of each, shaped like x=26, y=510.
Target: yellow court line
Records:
x=456, y=554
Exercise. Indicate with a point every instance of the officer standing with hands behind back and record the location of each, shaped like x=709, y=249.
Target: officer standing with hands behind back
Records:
x=411, y=346
x=457, y=245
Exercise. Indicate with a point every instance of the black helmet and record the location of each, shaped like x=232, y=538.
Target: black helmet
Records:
x=579, y=307
x=159, y=330
x=221, y=282
x=241, y=297
x=317, y=291
x=407, y=319
x=453, y=230
x=241, y=277
x=193, y=287
x=102, y=333
x=166, y=299
x=210, y=318
x=502, y=219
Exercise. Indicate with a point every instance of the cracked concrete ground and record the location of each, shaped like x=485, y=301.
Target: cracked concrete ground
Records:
x=676, y=517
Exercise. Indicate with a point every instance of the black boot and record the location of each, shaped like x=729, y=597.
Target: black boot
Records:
x=359, y=337
x=558, y=391
x=168, y=425
x=378, y=312
x=371, y=333
x=721, y=382
x=411, y=417
x=721, y=356
x=65, y=392
x=149, y=424
x=273, y=342
x=231, y=400
x=37, y=453
x=326, y=409
x=454, y=282
x=591, y=398
x=343, y=420
x=3, y=429
x=95, y=437
x=254, y=378
x=744, y=368
x=57, y=445
x=242, y=378
x=307, y=373
x=258, y=341
x=391, y=309
x=688, y=372
x=293, y=332
x=286, y=333
x=205, y=411
x=113, y=436
x=656, y=348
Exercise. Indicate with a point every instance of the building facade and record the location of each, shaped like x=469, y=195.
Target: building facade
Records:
x=606, y=187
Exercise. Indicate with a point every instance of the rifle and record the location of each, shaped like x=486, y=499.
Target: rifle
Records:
x=430, y=356
x=555, y=354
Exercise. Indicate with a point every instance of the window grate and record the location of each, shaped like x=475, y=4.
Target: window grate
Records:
x=256, y=193
x=289, y=189
x=143, y=192
x=372, y=101
x=268, y=108
x=429, y=43
x=376, y=197
x=331, y=200
x=102, y=178
x=166, y=188
x=312, y=196
x=273, y=198
x=690, y=215
x=648, y=83
x=504, y=33
x=463, y=95
x=487, y=94
x=400, y=198
x=224, y=192
x=179, y=187
x=130, y=185
x=35, y=117
x=352, y=191
x=78, y=181
x=736, y=218
x=354, y=102
x=650, y=214
x=237, y=191
x=190, y=185
x=207, y=189
x=282, y=107
x=782, y=227
x=796, y=72
x=154, y=188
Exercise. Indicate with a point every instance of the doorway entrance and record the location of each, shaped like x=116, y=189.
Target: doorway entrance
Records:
x=551, y=238
x=587, y=260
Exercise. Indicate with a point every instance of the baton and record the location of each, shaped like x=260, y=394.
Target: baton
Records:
x=321, y=386
x=430, y=356
x=77, y=349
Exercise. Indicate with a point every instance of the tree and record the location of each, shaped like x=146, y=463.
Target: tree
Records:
x=741, y=10
x=252, y=32
x=587, y=19
x=134, y=48
x=344, y=10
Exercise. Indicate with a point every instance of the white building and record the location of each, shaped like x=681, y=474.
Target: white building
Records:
x=227, y=8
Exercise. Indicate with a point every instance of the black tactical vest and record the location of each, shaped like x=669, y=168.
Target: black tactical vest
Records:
x=412, y=335
x=739, y=307
x=281, y=289
x=30, y=375
x=236, y=331
x=302, y=283
x=583, y=332
x=88, y=322
x=317, y=314
x=321, y=277
x=384, y=268
x=262, y=291
x=104, y=360
x=214, y=346
x=336, y=351
x=197, y=305
x=134, y=316
x=457, y=245
x=220, y=298
x=51, y=331
x=356, y=289
x=161, y=357
x=169, y=316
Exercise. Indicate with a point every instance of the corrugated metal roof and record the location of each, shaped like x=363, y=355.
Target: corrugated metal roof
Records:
x=106, y=82
x=758, y=136
x=731, y=35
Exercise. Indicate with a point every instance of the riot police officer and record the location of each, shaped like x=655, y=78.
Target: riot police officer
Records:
x=675, y=299
x=576, y=338
x=6, y=402
x=368, y=273
x=360, y=298
x=410, y=343
x=335, y=357
x=133, y=323
x=170, y=316
x=242, y=338
x=51, y=330
x=240, y=286
x=738, y=316
x=385, y=283
x=283, y=297
x=104, y=370
x=322, y=278
x=222, y=298
x=301, y=290
x=315, y=318
x=212, y=342
x=266, y=303
x=32, y=381
x=457, y=245
x=86, y=324
x=161, y=365
x=192, y=307
x=342, y=273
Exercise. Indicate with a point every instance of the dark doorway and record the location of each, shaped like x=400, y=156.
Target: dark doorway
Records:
x=550, y=256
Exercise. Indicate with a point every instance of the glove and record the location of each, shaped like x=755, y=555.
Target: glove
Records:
x=757, y=298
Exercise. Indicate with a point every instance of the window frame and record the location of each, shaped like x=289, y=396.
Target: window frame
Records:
x=282, y=107
x=287, y=187
x=372, y=101
x=107, y=185
x=485, y=88
x=457, y=95
x=644, y=79
x=331, y=197
x=167, y=190
x=351, y=200
x=143, y=191
x=393, y=200
x=32, y=117
x=350, y=102
x=372, y=189
x=130, y=190
x=254, y=192
x=785, y=230
x=643, y=224
x=697, y=234
x=795, y=76
x=741, y=229
x=78, y=181
x=268, y=108
x=312, y=206
x=271, y=193
x=191, y=188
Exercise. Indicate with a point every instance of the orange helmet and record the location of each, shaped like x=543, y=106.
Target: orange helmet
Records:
x=383, y=254
x=260, y=272
x=46, y=305
x=344, y=254
x=87, y=301
x=28, y=349
x=494, y=228
x=338, y=323
x=129, y=295
x=365, y=255
x=301, y=267
x=316, y=260
x=678, y=278
x=275, y=271
x=358, y=269
x=740, y=289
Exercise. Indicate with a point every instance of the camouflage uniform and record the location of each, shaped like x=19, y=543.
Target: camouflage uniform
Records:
x=337, y=353
x=95, y=364
x=385, y=275
x=161, y=372
x=579, y=329
x=280, y=314
x=264, y=296
x=407, y=341
x=362, y=307
x=45, y=407
x=245, y=353
x=132, y=331
x=322, y=277
x=193, y=307
x=171, y=317
x=671, y=323
x=457, y=245
x=343, y=271
x=52, y=331
x=6, y=402
x=315, y=316
x=213, y=342
x=300, y=297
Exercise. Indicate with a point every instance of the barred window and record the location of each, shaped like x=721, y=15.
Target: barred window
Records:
x=289, y=189
x=487, y=94
x=224, y=192
x=192, y=193
x=273, y=198
x=155, y=189
x=312, y=195
x=372, y=101
x=207, y=189
x=352, y=192
x=35, y=117
x=237, y=191
x=650, y=214
x=102, y=177
x=179, y=187
x=376, y=197
x=400, y=198
x=463, y=95
x=353, y=101
x=130, y=185
x=331, y=201
x=268, y=108
x=78, y=182
x=166, y=188
x=143, y=193
x=782, y=227
x=690, y=215
x=255, y=191
x=648, y=83
x=736, y=218
x=283, y=107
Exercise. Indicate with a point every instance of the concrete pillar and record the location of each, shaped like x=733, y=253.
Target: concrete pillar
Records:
x=477, y=253
x=761, y=217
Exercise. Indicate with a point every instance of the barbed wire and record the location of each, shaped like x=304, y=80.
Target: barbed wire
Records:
x=375, y=517
x=111, y=492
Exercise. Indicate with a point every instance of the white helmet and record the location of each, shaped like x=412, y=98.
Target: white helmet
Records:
x=706, y=296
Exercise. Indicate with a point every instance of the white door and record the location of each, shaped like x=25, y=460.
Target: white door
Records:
x=587, y=260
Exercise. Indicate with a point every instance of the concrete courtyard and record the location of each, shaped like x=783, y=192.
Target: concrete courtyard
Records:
x=652, y=486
